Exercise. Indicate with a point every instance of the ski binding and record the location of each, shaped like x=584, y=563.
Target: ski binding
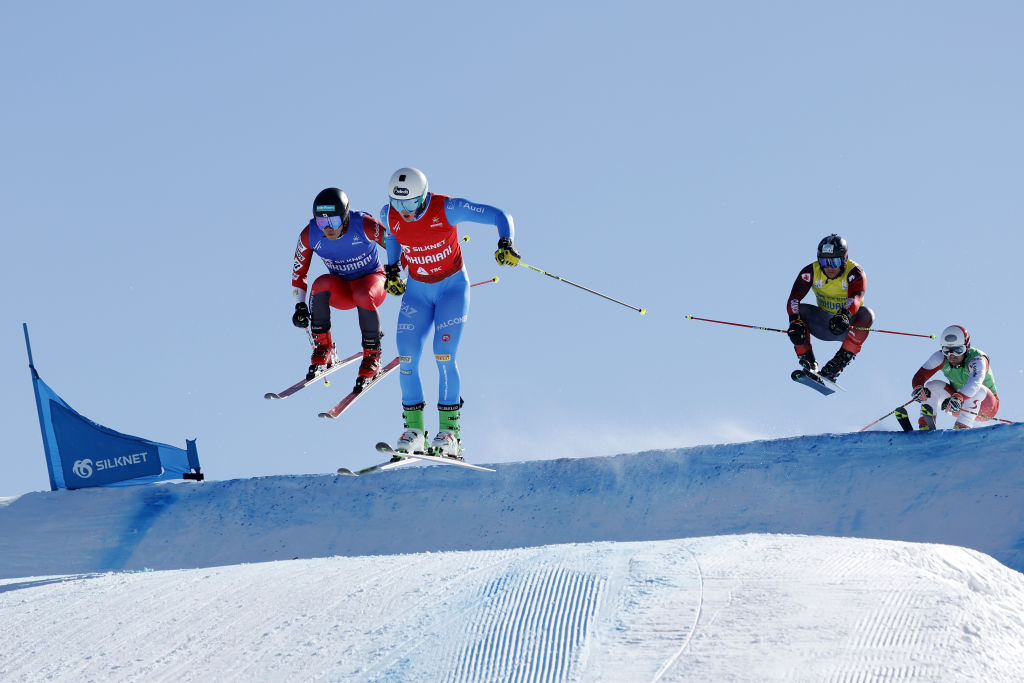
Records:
x=386, y=449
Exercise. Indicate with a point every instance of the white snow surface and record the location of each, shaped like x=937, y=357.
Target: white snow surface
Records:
x=858, y=557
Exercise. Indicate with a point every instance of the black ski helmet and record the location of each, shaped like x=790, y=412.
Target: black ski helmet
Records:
x=833, y=246
x=331, y=201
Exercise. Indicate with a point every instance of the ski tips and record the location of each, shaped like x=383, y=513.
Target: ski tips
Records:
x=271, y=395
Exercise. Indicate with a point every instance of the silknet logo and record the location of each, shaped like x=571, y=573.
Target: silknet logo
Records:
x=83, y=468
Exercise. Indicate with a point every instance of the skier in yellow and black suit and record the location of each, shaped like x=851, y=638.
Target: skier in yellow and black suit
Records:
x=838, y=285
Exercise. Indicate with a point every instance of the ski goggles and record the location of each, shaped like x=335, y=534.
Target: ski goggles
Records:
x=954, y=350
x=409, y=205
x=830, y=262
x=323, y=221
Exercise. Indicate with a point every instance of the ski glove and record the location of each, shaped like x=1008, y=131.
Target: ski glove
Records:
x=839, y=324
x=506, y=255
x=301, y=316
x=921, y=394
x=393, y=280
x=797, y=332
x=954, y=403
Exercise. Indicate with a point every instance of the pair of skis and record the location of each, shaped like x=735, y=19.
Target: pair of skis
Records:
x=345, y=403
x=399, y=459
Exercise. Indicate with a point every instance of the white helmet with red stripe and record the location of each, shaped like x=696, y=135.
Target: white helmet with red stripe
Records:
x=955, y=338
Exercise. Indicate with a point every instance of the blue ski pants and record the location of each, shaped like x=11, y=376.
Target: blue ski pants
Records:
x=442, y=307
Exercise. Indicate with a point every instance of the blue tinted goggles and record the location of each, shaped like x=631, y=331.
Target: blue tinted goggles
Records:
x=411, y=205
x=323, y=221
x=830, y=262
x=954, y=350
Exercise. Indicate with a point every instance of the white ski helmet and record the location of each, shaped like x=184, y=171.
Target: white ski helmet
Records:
x=407, y=184
x=955, y=337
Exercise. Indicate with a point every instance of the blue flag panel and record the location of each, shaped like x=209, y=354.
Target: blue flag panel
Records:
x=81, y=453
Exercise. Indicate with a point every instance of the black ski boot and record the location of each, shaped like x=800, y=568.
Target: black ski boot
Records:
x=837, y=364
x=807, y=361
x=370, y=366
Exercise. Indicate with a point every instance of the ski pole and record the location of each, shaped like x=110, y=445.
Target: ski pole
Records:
x=908, y=334
x=465, y=238
x=642, y=311
x=987, y=417
x=886, y=415
x=773, y=329
x=722, y=322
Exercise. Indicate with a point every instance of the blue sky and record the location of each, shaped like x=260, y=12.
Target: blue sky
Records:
x=159, y=163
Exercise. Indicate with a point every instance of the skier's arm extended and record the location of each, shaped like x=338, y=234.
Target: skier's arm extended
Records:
x=458, y=210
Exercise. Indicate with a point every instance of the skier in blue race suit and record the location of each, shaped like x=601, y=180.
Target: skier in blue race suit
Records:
x=421, y=232
x=347, y=241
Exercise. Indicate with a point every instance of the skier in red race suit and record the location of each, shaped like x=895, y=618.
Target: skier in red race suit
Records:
x=838, y=285
x=422, y=237
x=347, y=241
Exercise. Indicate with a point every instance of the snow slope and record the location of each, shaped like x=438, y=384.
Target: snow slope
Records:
x=748, y=607
x=957, y=488
x=708, y=563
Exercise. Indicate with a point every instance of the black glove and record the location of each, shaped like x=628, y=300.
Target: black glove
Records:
x=506, y=255
x=393, y=279
x=921, y=394
x=954, y=403
x=839, y=324
x=301, y=316
x=797, y=332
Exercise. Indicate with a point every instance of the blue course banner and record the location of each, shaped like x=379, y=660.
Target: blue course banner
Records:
x=92, y=455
